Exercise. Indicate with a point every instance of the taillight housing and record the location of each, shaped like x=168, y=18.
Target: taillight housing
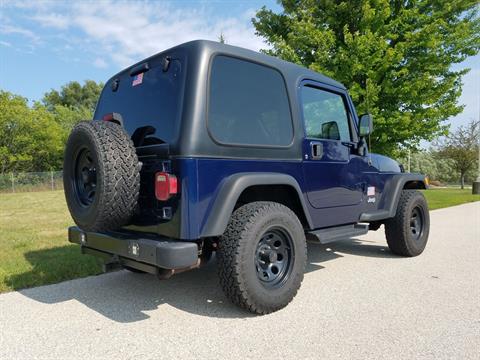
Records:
x=113, y=117
x=108, y=117
x=166, y=186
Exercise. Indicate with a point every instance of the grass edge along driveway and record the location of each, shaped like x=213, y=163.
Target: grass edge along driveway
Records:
x=33, y=237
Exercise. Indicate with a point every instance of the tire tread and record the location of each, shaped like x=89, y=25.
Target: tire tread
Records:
x=121, y=175
x=396, y=231
x=232, y=279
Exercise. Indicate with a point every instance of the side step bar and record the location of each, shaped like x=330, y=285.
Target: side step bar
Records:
x=326, y=236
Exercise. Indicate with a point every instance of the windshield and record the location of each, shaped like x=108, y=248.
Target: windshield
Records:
x=149, y=103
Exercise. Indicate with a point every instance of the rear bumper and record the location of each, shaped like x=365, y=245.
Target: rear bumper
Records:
x=133, y=250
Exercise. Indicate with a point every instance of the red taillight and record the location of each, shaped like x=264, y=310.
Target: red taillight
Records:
x=113, y=117
x=108, y=117
x=165, y=185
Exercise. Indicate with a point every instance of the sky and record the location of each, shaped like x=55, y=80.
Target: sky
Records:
x=45, y=44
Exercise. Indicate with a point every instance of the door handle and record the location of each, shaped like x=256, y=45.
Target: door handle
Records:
x=316, y=150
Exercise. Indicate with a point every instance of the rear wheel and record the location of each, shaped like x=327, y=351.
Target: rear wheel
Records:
x=407, y=232
x=262, y=257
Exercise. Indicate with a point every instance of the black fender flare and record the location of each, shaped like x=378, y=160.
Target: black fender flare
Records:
x=231, y=189
x=393, y=188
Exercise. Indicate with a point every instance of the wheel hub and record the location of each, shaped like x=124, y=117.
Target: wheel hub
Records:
x=268, y=256
x=85, y=178
x=416, y=223
x=88, y=175
x=274, y=257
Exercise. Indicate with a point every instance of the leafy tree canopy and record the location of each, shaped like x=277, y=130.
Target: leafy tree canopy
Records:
x=461, y=148
x=74, y=95
x=73, y=103
x=30, y=138
x=436, y=166
x=394, y=56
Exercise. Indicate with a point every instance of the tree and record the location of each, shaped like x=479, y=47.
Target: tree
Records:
x=73, y=103
x=33, y=138
x=13, y=132
x=395, y=57
x=461, y=148
x=221, y=38
x=74, y=95
x=430, y=163
x=30, y=138
x=67, y=117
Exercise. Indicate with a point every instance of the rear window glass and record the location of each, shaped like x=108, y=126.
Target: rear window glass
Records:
x=151, y=106
x=248, y=104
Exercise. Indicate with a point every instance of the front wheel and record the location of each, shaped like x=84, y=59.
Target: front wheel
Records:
x=407, y=232
x=262, y=257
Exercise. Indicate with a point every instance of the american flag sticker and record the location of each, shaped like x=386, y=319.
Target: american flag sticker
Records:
x=137, y=79
x=371, y=191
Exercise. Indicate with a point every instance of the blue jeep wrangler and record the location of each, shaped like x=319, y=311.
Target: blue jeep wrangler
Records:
x=209, y=148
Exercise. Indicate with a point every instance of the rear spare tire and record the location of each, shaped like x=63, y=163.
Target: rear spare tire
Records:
x=101, y=176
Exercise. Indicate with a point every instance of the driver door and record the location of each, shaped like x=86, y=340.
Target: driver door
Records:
x=330, y=170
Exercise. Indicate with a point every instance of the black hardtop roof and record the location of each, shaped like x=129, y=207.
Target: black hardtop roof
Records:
x=202, y=47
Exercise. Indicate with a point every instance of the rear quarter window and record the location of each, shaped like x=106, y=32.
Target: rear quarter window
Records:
x=248, y=104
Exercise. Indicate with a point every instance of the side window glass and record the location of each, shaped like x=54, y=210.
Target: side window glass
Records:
x=325, y=115
x=248, y=104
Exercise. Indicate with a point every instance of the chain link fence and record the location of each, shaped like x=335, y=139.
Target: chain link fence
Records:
x=31, y=181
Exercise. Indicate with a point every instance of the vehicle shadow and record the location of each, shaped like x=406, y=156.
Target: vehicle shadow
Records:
x=318, y=253
x=128, y=297
x=359, y=248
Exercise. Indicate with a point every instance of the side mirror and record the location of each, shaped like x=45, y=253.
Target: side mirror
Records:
x=330, y=131
x=366, y=125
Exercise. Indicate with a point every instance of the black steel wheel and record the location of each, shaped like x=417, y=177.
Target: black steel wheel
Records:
x=274, y=257
x=262, y=257
x=85, y=178
x=416, y=223
x=407, y=232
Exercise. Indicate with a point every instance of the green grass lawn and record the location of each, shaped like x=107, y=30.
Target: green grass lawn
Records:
x=33, y=237
x=34, y=249
x=440, y=198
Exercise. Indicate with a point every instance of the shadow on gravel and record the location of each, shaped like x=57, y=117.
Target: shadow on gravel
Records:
x=361, y=248
x=127, y=297
x=320, y=253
